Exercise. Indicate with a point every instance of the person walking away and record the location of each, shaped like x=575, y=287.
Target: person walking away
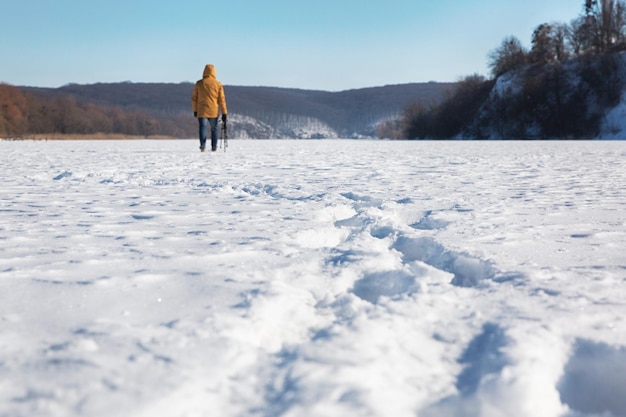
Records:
x=207, y=100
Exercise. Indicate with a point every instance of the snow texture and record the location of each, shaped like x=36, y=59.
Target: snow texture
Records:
x=313, y=278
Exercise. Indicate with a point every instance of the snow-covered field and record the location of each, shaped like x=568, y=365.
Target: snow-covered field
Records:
x=313, y=278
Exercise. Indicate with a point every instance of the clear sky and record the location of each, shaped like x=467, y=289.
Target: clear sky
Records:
x=323, y=44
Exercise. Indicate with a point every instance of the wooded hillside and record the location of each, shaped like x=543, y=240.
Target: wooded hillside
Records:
x=148, y=109
x=561, y=88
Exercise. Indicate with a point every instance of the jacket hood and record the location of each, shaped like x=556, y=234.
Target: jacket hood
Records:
x=209, y=71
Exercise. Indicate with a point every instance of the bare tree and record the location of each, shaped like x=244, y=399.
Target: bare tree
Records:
x=549, y=43
x=541, y=50
x=579, y=36
x=606, y=22
x=562, y=48
x=508, y=56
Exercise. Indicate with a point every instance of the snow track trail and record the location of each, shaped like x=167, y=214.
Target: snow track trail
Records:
x=313, y=278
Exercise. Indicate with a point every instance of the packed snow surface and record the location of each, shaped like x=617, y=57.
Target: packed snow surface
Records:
x=313, y=278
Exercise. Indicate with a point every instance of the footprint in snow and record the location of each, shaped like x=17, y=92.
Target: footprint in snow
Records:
x=390, y=284
x=594, y=379
x=468, y=271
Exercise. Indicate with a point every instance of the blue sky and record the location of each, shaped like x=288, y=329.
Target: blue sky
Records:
x=323, y=44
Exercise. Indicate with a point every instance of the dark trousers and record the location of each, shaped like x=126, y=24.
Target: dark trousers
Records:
x=204, y=123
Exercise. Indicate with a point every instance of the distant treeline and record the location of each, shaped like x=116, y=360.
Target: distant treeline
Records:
x=557, y=89
x=164, y=109
x=24, y=113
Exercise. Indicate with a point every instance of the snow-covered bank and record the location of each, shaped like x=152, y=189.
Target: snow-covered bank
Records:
x=614, y=122
x=313, y=278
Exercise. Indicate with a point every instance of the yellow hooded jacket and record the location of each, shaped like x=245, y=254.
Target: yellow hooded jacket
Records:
x=208, y=95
